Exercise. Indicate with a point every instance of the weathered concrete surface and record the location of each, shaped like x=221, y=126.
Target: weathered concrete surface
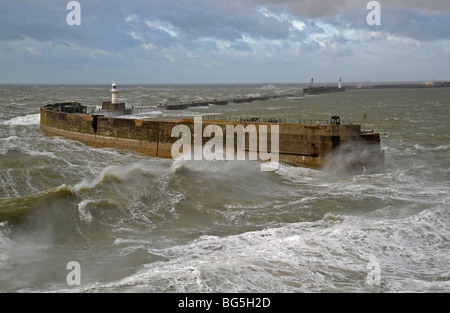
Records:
x=108, y=106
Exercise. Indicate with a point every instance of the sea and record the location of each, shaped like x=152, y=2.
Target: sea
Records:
x=74, y=218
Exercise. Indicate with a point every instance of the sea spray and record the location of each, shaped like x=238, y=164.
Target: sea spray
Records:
x=121, y=172
x=28, y=120
x=85, y=214
x=348, y=160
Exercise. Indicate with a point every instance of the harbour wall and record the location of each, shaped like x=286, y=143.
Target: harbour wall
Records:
x=305, y=144
x=320, y=90
x=111, y=110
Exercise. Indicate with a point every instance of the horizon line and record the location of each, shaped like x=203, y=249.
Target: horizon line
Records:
x=225, y=83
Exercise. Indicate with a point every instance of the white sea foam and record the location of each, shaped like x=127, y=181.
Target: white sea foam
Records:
x=9, y=139
x=83, y=209
x=223, y=167
x=442, y=148
x=420, y=147
x=253, y=95
x=268, y=87
x=329, y=255
x=25, y=146
x=28, y=120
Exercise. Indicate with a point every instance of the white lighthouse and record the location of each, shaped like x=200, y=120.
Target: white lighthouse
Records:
x=114, y=93
x=340, y=83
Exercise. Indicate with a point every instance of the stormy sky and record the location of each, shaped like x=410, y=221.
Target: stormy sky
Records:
x=223, y=41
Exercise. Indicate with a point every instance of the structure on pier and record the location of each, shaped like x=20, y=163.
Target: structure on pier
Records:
x=311, y=90
x=114, y=105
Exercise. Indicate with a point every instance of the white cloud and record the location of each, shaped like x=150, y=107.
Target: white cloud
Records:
x=299, y=25
x=33, y=50
x=169, y=57
x=191, y=55
x=281, y=17
x=404, y=41
x=136, y=36
x=165, y=27
x=90, y=52
x=295, y=22
x=132, y=18
x=148, y=46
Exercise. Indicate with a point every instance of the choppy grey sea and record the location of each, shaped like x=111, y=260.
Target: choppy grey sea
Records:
x=142, y=224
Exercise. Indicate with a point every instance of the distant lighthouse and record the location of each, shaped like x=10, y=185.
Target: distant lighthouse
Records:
x=114, y=105
x=114, y=93
x=340, y=83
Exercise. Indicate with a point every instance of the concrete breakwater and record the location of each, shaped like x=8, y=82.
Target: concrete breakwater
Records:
x=320, y=90
x=109, y=110
x=312, y=145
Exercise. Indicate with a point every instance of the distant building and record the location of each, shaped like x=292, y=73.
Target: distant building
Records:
x=428, y=84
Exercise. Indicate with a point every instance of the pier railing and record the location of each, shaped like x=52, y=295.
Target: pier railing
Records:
x=277, y=120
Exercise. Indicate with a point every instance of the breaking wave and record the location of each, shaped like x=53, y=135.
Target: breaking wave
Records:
x=14, y=207
x=317, y=256
x=28, y=120
x=268, y=87
x=122, y=173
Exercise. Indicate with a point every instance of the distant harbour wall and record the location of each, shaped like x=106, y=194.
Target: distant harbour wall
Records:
x=320, y=90
x=111, y=110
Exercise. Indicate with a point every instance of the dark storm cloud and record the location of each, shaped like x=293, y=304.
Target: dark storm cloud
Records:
x=226, y=20
x=20, y=19
x=417, y=19
x=174, y=34
x=418, y=26
x=104, y=23
x=45, y=20
x=326, y=8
